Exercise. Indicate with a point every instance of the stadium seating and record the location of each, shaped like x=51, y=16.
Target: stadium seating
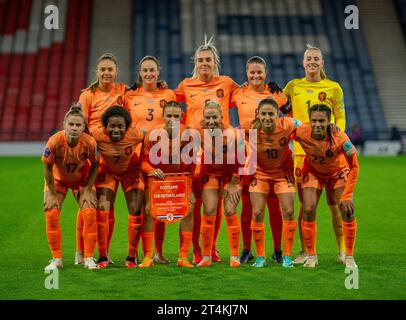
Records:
x=41, y=71
x=277, y=30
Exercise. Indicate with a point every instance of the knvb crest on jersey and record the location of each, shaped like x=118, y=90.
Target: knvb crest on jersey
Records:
x=120, y=100
x=220, y=93
x=128, y=151
x=283, y=142
x=322, y=96
x=162, y=103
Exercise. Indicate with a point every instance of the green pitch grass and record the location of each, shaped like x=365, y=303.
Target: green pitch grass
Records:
x=380, y=249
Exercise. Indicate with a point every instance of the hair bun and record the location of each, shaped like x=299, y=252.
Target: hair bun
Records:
x=75, y=107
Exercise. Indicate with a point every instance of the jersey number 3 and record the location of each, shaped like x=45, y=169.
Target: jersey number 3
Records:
x=150, y=116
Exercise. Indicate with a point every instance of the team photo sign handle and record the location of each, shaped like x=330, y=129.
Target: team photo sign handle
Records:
x=169, y=198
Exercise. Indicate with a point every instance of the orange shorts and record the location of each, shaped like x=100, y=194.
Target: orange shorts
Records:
x=217, y=182
x=299, y=162
x=129, y=181
x=277, y=186
x=63, y=187
x=331, y=182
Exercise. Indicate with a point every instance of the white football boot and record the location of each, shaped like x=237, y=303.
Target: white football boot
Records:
x=311, y=262
x=90, y=264
x=54, y=264
x=302, y=258
x=350, y=262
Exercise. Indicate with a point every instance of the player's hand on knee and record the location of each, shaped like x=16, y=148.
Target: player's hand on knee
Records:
x=51, y=202
x=88, y=198
x=234, y=194
x=347, y=207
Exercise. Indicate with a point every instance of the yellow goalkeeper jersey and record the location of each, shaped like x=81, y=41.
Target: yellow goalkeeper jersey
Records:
x=304, y=94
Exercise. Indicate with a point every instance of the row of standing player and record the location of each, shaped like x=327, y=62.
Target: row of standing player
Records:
x=145, y=98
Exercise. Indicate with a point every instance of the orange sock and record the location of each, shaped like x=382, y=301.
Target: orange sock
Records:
x=259, y=237
x=147, y=239
x=246, y=216
x=159, y=233
x=233, y=232
x=349, y=230
x=217, y=224
x=197, y=221
x=53, y=231
x=309, y=230
x=102, y=232
x=112, y=222
x=185, y=239
x=134, y=231
x=89, y=231
x=79, y=232
x=207, y=233
x=289, y=231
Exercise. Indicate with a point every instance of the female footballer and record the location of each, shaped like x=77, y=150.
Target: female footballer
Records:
x=246, y=100
x=315, y=88
x=71, y=162
x=274, y=174
x=145, y=100
x=171, y=130
x=219, y=179
x=205, y=84
x=102, y=93
x=330, y=162
x=117, y=142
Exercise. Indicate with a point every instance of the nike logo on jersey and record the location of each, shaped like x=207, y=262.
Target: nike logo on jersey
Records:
x=296, y=94
x=136, y=103
x=244, y=102
x=192, y=95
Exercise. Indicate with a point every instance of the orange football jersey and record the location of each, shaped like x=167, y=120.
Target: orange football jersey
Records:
x=195, y=93
x=118, y=156
x=274, y=157
x=94, y=104
x=146, y=107
x=171, y=155
x=323, y=157
x=69, y=162
x=246, y=101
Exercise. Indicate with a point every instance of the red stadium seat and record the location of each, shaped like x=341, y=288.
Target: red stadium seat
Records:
x=37, y=88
